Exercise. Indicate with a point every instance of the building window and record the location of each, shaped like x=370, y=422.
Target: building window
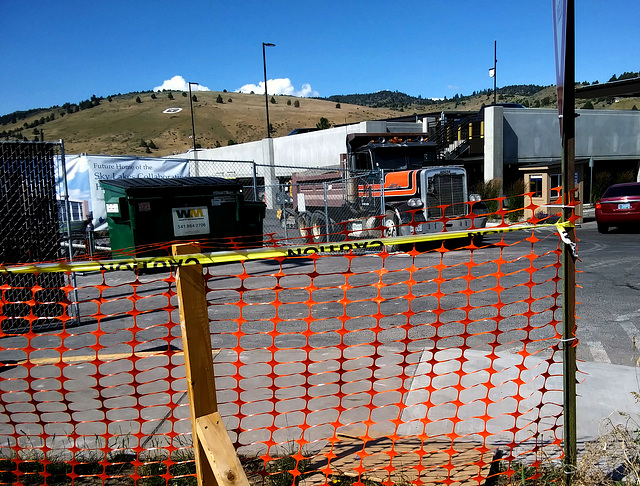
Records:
x=535, y=185
x=555, y=181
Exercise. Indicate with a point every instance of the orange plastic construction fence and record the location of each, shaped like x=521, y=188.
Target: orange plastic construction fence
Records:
x=439, y=365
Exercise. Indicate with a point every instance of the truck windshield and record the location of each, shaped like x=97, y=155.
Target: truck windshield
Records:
x=401, y=157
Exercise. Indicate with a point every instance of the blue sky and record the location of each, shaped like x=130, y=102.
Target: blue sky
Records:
x=68, y=50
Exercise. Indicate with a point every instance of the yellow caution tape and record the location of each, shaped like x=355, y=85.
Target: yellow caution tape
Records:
x=175, y=262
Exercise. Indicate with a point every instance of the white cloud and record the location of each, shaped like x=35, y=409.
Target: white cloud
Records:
x=177, y=83
x=280, y=86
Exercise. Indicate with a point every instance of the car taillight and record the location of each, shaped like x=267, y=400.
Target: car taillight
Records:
x=598, y=205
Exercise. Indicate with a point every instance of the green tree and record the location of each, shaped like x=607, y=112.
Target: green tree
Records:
x=184, y=94
x=109, y=99
x=143, y=143
x=170, y=95
x=219, y=99
x=338, y=105
x=231, y=142
x=273, y=100
x=153, y=96
x=217, y=144
x=296, y=103
x=587, y=106
x=138, y=100
x=323, y=124
x=634, y=108
x=194, y=98
x=288, y=102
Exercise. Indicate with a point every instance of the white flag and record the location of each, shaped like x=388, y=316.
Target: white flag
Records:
x=492, y=72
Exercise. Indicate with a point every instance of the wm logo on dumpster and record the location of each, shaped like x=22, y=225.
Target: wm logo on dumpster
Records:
x=190, y=213
x=191, y=221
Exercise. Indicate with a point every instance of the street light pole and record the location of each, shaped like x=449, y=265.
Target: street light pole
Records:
x=266, y=96
x=495, y=74
x=193, y=127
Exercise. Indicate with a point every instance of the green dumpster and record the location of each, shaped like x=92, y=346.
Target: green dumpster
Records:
x=144, y=212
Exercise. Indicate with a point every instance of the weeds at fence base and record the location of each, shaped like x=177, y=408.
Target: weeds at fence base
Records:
x=121, y=472
x=523, y=475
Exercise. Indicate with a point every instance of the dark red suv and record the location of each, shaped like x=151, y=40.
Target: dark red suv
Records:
x=619, y=206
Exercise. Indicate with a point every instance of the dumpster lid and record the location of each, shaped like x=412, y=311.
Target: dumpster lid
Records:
x=172, y=183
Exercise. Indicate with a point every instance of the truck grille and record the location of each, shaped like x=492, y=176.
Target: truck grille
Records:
x=446, y=189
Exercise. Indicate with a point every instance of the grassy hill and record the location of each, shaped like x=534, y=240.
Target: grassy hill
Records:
x=134, y=123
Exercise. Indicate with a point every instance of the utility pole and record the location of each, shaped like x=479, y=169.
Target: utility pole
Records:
x=266, y=96
x=193, y=126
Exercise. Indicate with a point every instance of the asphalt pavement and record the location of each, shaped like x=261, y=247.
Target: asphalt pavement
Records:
x=604, y=389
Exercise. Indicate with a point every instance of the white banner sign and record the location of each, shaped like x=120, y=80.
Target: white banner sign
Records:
x=84, y=173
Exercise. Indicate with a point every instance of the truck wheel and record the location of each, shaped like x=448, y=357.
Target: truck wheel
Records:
x=319, y=228
x=303, y=221
x=391, y=229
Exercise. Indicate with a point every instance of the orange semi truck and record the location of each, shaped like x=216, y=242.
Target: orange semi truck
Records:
x=417, y=195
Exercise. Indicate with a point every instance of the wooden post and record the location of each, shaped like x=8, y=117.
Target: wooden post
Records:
x=222, y=457
x=198, y=362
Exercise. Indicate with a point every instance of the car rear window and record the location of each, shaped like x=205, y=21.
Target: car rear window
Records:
x=618, y=191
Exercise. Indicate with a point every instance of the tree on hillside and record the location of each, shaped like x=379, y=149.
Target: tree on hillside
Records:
x=138, y=100
x=170, y=95
x=587, y=106
x=153, y=96
x=184, y=94
x=273, y=100
x=323, y=124
x=219, y=99
x=296, y=103
x=288, y=102
x=194, y=98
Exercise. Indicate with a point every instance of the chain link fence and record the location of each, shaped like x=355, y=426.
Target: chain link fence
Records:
x=37, y=225
x=323, y=205
x=307, y=205
x=304, y=205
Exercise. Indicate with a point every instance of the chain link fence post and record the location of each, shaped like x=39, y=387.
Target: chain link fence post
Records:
x=326, y=213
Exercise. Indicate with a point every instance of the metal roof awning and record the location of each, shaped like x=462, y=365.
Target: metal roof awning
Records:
x=550, y=164
x=625, y=88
